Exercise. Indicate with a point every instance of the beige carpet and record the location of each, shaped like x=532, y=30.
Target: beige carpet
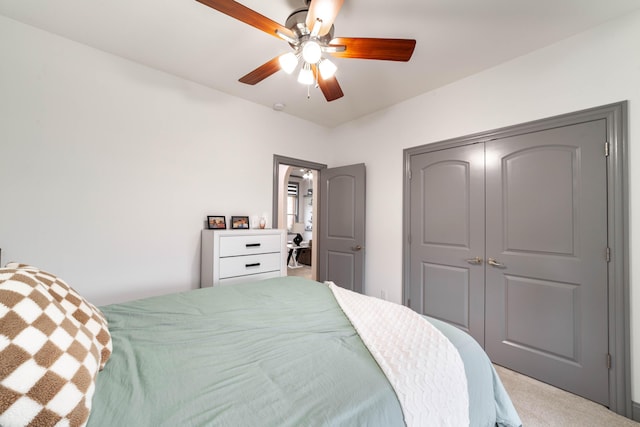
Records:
x=540, y=404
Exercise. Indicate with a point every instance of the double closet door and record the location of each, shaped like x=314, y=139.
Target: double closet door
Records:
x=509, y=243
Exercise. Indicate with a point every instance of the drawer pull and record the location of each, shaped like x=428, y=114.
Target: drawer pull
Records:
x=253, y=245
x=255, y=264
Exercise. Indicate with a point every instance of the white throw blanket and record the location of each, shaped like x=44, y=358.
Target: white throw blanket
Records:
x=422, y=365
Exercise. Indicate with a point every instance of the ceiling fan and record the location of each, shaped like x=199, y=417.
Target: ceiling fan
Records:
x=309, y=32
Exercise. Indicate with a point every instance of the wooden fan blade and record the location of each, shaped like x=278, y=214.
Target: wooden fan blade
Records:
x=248, y=16
x=372, y=48
x=329, y=87
x=325, y=10
x=262, y=72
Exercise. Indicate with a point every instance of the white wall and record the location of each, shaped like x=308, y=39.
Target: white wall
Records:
x=109, y=168
x=594, y=68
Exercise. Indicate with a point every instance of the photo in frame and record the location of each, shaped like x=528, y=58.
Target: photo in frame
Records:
x=216, y=222
x=239, y=222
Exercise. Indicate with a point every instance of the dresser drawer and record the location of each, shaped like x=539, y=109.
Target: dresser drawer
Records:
x=249, y=278
x=249, y=244
x=249, y=264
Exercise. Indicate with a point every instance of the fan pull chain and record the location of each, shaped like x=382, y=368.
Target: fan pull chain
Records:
x=316, y=86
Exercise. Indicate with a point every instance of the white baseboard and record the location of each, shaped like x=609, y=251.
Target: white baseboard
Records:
x=635, y=411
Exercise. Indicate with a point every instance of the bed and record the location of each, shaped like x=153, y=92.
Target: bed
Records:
x=279, y=352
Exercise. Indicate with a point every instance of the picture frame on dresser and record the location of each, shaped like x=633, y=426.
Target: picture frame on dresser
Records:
x=239, y=222
x=216, y=222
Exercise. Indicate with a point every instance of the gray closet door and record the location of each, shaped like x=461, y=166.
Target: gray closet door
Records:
x=546, y=241
x=447, y=236
x=342, y=226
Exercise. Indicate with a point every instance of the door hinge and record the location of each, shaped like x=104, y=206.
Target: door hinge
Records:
x=409, y=303
x=606, y=149
x=409, y=171
x=607, y=254
x=608, y=360
x=409, y=238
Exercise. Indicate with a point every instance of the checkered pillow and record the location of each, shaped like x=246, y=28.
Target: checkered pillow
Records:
x=48, y=360
x=85, y=312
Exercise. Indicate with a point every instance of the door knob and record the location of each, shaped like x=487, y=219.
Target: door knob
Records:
x=356, y=248
x=494, y=263
x=475, y=261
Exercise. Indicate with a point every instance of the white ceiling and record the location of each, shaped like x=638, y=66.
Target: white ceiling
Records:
x=455, y=38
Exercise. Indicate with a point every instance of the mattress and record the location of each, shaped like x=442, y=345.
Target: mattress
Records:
x=278, y=352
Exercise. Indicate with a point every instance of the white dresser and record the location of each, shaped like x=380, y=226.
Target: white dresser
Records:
x=235, y=256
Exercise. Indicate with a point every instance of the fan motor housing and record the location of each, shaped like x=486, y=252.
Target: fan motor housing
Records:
x=296, y=22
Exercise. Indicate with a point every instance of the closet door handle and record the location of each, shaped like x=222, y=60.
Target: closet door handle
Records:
x=494, y=263
x=475, y=261
x=356, y=248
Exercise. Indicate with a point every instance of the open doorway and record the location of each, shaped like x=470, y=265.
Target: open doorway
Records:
x=295, y=209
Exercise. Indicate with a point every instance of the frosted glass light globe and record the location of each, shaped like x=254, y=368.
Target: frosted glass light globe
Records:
x=306, y=75
x=327, y=69
x=288, y=62
x=311, y=52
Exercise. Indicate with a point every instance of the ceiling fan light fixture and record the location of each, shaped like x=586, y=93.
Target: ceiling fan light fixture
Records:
x=327, y=68
x=306, y=75
x=288, y=62
x=310, y=33
x=311, y=52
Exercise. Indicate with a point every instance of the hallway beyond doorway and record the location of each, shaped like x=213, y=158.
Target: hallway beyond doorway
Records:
x=302, y=271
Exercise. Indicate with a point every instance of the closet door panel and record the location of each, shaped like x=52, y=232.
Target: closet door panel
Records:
x=546, y=237
x=539, y=202
x=447, y=295
x=447, y=237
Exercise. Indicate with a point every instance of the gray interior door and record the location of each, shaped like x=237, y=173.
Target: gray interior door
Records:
x=447, y=236
x=546, y=245
x=533, y=208
x=342, y=226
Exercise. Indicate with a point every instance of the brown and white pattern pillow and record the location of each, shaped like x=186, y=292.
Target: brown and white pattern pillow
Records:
x=81, y=309
x=48, y=360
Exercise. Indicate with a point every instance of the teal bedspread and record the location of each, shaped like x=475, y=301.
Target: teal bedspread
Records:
x=489, y=403
x=274, y=353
